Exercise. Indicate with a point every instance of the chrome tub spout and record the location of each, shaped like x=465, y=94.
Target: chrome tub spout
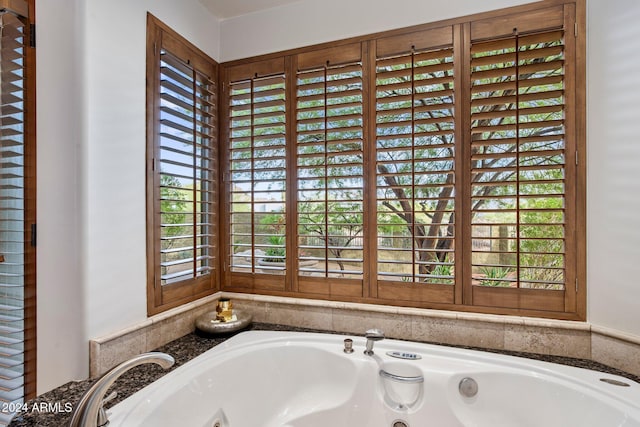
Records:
x=372, y=335
x=89, y=411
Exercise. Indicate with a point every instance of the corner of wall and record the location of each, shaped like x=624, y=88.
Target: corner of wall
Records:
x=61, y=333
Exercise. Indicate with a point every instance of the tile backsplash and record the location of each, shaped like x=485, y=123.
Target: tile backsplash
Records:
x=544, y=336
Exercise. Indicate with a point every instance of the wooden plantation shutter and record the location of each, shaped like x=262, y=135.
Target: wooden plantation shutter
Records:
x=17, y=211
x=431, y=166
x=415, y=167
x=186, y=175
x=12, y=197
x=257, y=174
x=521, y=213
x=330, y=186
x=184, y=171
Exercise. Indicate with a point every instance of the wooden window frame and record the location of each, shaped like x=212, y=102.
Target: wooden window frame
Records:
x=204, y=277
x=570, y=304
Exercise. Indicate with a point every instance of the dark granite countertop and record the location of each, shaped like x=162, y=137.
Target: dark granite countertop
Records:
x=53, y=409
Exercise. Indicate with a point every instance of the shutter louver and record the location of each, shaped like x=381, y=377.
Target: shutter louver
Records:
x=187, y=143
x=257, y=157
x=330, y=171
x=12, y=211
x=518, y=162
x=415, y=167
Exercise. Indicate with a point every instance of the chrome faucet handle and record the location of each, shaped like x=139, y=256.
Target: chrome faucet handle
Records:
x=348, y=345
x=103, y=418
x=87, y=410
x=372, y=335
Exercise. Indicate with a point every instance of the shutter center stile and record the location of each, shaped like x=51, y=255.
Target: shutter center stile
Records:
x=414, y=227
x=252, y=171
x=325, y=101
x=517, y=189
x=194, y=192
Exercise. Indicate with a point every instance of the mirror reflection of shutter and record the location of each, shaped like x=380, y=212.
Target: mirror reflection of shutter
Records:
x=14, y=247
x=330, y=186
x=416, y=166
x=257, y=177
x=519, y=167
x=187, y=176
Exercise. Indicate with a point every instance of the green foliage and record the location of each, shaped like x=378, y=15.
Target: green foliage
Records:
x=175, y=211
x=276, y=252
x=541, y=242
x=273, y=224
x=335, y=223
x=443, y=273
x=491, y=273
x=174, y=206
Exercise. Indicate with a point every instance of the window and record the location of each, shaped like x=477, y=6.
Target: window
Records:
x=257, y=107
x=429, y=167
x=182, y=194
x=415, y=166
x=17, y=207
x=519, y=169
x=330, y=170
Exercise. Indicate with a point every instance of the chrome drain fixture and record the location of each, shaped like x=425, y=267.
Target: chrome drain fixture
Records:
x=399, y=423
x=614, y=382
x=468, y=387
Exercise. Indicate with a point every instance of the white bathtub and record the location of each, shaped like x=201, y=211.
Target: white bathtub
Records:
x=289, y=379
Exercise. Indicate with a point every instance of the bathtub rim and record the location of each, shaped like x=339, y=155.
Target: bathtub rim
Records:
x=562, y=373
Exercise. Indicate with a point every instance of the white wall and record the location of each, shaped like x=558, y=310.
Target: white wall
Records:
x=62, y=345
x=309, y=22
x=91, y=169
x=613, y=150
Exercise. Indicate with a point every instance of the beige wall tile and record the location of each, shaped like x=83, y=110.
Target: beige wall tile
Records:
x=107, y=353
x=459, y=332
x=559, y=342
x=297, y=315
x=357, y=322
x=165, y=331
x=258, y=309
x=616, y=353
x=110, y=353
x=94, y=359
x=168, y=329
x=513, y=333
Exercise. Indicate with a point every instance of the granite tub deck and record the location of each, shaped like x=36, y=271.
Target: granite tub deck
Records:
x=54, y=408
